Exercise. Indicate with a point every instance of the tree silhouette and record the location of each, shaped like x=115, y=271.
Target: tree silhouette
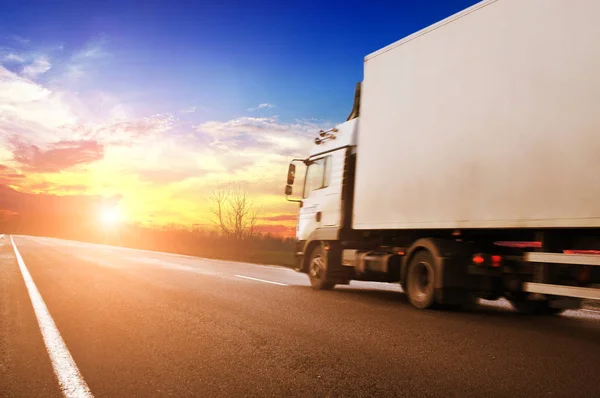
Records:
x=235, y=214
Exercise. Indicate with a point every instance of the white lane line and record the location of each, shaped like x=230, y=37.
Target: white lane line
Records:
x=70, y=380
x=261, y=280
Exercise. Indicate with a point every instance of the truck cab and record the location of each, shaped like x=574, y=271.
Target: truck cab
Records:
x=323, y=190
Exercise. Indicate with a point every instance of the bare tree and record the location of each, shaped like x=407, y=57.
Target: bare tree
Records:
x=234, y=213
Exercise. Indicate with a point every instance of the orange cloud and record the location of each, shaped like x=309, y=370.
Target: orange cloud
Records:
x=281, y=217
x=59, y=156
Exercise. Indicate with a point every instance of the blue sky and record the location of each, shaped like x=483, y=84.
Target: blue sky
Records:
x=226, y=56
x=159, y=103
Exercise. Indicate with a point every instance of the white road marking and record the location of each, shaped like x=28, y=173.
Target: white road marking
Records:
x=261, y=280
x=69, y=378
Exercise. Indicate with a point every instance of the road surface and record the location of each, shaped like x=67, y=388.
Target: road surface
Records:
x=137, y=323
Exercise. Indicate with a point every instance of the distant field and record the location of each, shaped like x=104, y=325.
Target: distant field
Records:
x=267, y=257
x=273, y=257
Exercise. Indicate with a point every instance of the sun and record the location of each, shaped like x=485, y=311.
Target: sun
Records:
x=111, y=216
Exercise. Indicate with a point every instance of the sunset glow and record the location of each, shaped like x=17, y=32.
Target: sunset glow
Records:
x=132, y=111
x=111, y=216
x=162, y=167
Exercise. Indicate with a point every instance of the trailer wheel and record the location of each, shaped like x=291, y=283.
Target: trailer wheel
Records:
x=420, y=280
x=317, y=270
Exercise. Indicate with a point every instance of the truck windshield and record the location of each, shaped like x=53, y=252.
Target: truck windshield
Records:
x=316, y=176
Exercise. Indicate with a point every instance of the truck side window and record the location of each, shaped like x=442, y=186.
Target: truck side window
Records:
x=317, y=175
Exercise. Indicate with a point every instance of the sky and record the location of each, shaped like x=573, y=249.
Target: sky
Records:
x=155, y=104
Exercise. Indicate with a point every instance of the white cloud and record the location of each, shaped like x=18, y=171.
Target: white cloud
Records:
x=31, y=110
x=259, y=137
x=91, y=51
x=39, y=66
x=261, y=106
x=131, y=132
x=74, y=71
x=12, y=57
x=84, y=60
x=190, y=109
x=27, y=106
x=20, y=39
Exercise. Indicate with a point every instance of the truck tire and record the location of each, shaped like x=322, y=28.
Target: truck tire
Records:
x=420, y=280
x=317, y=270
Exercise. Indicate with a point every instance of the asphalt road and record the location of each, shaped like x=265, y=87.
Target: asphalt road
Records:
x=142, y=324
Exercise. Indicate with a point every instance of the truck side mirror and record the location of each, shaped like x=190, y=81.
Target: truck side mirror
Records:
x=288, y=189
x=291, y=175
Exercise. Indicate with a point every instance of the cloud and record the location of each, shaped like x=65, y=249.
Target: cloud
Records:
x=162, y=176
x=190, y=109
x=6, y=213
x=13, y=176
x=45, y=205
x=282, y=230
x=126, y=132
x=261, y=106
x=255, y=150
x=281, y=217
x=19, y=39
x=48, y=187
x=9, y=176
x=82, y=62
x=29, y=110
x=27, y=106
x=39, y=66
x=59, y=156
x=14, y=58
x=259, y=134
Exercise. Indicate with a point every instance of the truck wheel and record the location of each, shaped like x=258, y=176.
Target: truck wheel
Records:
x=420, y=280
x=317, y=270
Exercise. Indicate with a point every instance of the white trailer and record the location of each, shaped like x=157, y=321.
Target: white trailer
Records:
x=470, y=163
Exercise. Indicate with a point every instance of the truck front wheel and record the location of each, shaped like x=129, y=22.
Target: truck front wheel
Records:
x=420, y=280
x=317, y=270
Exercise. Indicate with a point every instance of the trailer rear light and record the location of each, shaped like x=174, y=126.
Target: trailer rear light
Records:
x=486, y=260
x=478, y=259
x=496, y=261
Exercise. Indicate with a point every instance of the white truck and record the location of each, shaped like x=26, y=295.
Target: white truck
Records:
x=470, y=163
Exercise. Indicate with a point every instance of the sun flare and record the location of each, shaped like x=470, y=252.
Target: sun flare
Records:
x=111, y=216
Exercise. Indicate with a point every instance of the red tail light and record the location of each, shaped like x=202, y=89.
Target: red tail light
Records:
x=478, y=259
x=496, y=261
